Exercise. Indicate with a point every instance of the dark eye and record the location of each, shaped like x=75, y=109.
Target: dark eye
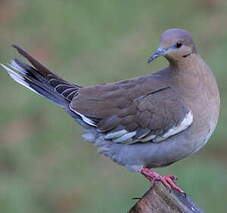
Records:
x=178, y=44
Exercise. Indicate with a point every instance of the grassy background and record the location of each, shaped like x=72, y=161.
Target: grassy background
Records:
x=44, y=164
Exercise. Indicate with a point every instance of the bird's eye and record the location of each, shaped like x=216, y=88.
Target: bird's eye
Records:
x=178, y=44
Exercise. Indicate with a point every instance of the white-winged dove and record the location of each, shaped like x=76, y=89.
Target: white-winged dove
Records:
x=144, y=122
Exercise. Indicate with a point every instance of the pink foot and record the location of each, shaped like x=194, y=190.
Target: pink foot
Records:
x=167, y=180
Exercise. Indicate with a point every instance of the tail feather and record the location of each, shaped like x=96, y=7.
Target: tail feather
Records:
x=40, y=80
x=17, y=77
x=42, y=69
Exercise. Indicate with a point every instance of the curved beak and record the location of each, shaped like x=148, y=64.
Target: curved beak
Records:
x=157, y=53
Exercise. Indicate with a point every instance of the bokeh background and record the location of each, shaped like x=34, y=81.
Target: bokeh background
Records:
x=45, y=166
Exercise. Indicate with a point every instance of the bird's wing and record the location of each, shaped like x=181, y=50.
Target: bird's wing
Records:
x=130, y=112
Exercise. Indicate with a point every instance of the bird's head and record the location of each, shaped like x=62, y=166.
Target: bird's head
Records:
x=175, y=45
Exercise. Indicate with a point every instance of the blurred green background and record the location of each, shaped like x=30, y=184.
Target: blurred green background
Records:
x=45, y=166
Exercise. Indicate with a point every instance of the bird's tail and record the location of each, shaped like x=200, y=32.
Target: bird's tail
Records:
x=40, y=80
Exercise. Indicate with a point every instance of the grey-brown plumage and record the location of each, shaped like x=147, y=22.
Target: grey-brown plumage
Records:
x=149, y=121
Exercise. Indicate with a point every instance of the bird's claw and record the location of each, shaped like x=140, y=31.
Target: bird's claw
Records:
x=167, y=180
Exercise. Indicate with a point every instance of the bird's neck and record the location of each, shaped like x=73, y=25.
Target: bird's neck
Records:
x=191, y=73
x=192, y=67
x=185, y=64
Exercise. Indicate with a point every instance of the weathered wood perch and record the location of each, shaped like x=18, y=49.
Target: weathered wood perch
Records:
x=160, y=199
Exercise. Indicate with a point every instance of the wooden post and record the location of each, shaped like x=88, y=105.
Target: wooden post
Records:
x=160, y=199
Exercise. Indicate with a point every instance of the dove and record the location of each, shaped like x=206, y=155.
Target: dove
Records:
x=141, y=123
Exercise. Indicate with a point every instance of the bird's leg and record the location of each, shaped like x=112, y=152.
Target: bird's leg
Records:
x=167, y=180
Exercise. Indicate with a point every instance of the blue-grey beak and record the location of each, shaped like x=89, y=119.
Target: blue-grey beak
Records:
x=157, y=53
